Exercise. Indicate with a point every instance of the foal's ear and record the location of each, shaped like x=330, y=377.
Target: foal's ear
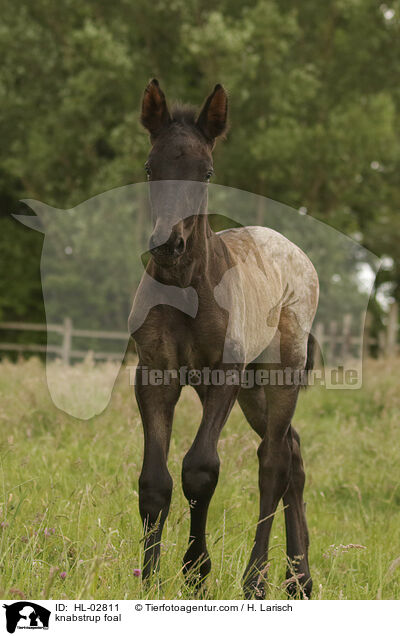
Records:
x=212, y=120
x=155, y=113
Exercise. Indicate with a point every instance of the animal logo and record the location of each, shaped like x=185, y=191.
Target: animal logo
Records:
x=26, y=615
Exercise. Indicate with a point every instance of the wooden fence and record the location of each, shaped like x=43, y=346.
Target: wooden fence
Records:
x=67, y=333
x=339, y=343
x=336, y=342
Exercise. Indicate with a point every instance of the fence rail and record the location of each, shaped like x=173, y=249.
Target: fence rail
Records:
x=65, y=350
x=335, y=341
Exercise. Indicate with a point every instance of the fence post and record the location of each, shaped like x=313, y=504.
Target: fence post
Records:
x=332, y=342
x=366, y=336
x=319, y=339
x=346, y=336
x=67, y=338
x=381, y=342
x=391, y=332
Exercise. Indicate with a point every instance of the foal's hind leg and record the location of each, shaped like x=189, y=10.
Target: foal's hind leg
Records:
x=275, y=459
x=253, y=403
x=296, y=527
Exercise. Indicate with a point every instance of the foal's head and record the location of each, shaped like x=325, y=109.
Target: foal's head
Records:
x=182, y=146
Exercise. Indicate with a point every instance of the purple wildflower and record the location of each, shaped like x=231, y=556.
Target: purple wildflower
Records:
x=137, y=572
x=63, y=575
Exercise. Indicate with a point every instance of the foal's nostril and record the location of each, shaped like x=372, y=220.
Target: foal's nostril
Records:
x=173, y=248
x=180, y=246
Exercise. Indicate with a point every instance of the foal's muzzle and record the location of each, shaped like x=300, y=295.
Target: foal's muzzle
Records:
x=169, y=252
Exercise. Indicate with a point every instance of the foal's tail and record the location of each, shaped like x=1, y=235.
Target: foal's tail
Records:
x=310, y=356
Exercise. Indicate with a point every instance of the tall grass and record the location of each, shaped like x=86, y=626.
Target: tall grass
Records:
x=70, y=526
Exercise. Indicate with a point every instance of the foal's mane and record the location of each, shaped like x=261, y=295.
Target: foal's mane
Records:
x=184, y=114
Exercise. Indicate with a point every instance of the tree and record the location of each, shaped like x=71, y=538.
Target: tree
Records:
x=314, y=108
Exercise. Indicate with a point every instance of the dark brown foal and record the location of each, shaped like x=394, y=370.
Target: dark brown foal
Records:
x=216, y=302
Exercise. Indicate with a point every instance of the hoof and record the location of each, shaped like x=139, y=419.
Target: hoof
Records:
x=254, y=580
x=296, y=589
x=254, y=590
x=196, y=569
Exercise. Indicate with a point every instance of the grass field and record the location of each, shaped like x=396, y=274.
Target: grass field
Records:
x=70, y=526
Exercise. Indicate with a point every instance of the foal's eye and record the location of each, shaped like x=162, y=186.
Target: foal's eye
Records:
x=209, y=175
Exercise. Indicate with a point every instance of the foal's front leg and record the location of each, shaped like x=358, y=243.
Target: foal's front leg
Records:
x=200, y=472
x=156, y=405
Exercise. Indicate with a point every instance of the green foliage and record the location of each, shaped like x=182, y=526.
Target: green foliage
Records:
x=314, y=109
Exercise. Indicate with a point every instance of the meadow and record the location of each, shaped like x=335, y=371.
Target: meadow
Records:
x=70, y=525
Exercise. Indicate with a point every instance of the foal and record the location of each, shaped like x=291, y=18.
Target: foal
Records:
x=235, y=297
